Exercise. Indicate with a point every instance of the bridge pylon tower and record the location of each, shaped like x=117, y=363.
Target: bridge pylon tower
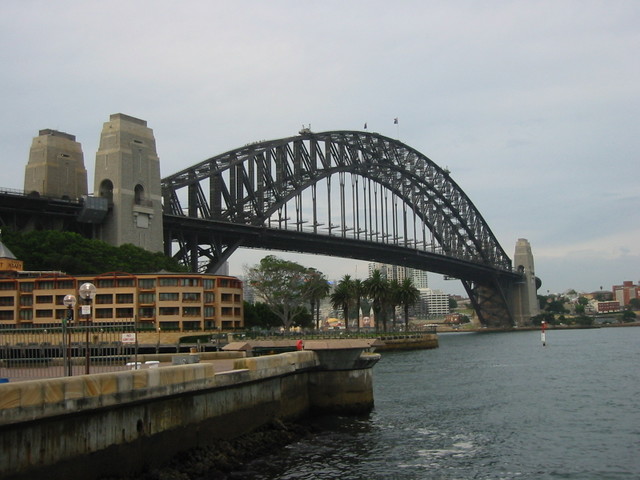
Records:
x=127, y=173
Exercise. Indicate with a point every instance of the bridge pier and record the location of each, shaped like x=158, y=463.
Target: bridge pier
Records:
x=525, y=299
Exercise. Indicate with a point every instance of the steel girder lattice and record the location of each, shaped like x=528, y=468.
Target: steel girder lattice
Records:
x=355, y=186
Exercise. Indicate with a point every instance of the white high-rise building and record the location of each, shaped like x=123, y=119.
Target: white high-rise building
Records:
x=395, y=272
x=433, y=303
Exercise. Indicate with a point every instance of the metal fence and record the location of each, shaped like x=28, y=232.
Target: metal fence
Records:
x=27, y=354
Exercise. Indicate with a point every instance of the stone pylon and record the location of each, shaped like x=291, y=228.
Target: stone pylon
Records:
x=525, y=299
x=56, y=166
x=127, y=173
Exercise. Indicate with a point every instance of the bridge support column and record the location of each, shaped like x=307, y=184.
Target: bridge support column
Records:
x=524, y=298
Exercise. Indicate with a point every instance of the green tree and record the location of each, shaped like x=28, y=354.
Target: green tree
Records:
x=281, y=284
x=634, y=303
x=377, y=289
x=452, y=303
x=316, y=288
x=74, y=254
x=628, y=316
x=584, y=320
x=342, y=297
x=358, y=292
x=259, y=315
x=408, y=295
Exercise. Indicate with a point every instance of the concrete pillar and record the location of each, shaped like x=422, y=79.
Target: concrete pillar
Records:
x=127, y=173
x=56, y=166
x=525, y=293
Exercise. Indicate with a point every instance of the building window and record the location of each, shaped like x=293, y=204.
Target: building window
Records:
x=104, y=283
x=226, y=297
x=68, y=284
x=146, y=312
x=126, y=282
x=168, y=282
x=124, y=298
x=104, y=298
x=46, y=285
x=147, y=298
x=104, y=312
x=209, y=297
x=7, y=286
x=169, y=326
x=169, y=297
x=147, y=283
x=26, y=287
x=124, y=312
x=7, y=301
x=190, y=297
x=26, y=300
x=189, y=282
x=44, y=298
x=209, y=312
x=6, y=315
x=191, y=311
x=26, y=314
x=208, y=284
x=169, y=311
x=44, y=313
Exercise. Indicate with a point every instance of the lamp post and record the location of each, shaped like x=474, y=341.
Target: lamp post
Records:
x=87, y=292
x=69, y=301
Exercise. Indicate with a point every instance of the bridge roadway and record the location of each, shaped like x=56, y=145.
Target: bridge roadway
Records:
x=331, y=245
x=17, y=209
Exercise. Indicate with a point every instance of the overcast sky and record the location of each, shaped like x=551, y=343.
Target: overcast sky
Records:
x=533, y=106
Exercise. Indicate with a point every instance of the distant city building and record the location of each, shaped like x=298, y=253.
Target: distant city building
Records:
x=604, y=307
x=626, y=292
x=399, y=273
x=433, y=303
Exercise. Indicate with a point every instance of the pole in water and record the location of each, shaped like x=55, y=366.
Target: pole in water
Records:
x=542, y=335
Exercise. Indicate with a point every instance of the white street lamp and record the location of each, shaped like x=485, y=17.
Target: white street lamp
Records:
x=69, y=301
x=87, y=292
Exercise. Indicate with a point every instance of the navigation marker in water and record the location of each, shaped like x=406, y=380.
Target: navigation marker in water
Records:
x=544, y=339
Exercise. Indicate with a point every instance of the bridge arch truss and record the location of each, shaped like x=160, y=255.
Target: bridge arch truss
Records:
x=346, y=193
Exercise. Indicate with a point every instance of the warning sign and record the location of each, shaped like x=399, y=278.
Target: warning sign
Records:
x=128, y=338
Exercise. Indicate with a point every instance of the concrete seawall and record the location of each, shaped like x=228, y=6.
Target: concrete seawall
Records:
x=92, y=426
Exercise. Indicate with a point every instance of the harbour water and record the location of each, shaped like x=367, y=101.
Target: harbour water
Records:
x=487, y=406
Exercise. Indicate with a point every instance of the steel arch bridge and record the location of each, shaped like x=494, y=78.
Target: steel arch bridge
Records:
x=341, y=193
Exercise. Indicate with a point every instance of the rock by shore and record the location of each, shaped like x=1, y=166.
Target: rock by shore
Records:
x=220, y=460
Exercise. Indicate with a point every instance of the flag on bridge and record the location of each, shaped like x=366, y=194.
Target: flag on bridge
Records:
x=395, y=121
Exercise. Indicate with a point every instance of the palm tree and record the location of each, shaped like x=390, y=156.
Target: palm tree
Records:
x=342, y=297
x=358, y=292
x=393, y=300
x=408, y=295
x=377, y=289
x=317, y=288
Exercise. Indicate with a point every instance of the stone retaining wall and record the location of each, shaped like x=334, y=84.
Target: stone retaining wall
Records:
x=113, y=423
